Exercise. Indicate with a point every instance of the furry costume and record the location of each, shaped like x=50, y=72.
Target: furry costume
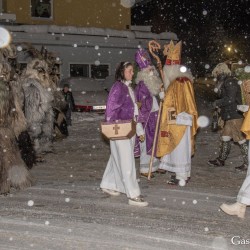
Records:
x=18, y=122
x=13, y=172
x=38, y=105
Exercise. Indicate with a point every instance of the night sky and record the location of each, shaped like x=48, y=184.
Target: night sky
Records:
x=206, y=27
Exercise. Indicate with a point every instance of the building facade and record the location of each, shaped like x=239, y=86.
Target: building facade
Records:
x=80, y=13
x=89, y=36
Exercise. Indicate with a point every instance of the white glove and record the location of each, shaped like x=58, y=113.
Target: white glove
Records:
x=184, y=118
x=243, y=108
x=139, y=129
x=162, y=95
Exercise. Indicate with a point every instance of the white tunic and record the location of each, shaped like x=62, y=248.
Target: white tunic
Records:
x=120, y=172
x=179, y=160
x=244, y=193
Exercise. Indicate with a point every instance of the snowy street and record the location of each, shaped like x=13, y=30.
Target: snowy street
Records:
x=65, y=209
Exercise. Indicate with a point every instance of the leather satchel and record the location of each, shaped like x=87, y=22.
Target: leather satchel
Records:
x=118, y=130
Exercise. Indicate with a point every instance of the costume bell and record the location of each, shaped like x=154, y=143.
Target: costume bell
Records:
x=178, y=123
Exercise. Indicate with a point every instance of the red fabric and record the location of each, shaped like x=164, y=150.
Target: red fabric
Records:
x=164, y=134
x=182, y=79
x=173, y=62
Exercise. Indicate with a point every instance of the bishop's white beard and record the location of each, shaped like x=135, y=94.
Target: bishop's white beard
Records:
x=171, y=72
x=153, y=82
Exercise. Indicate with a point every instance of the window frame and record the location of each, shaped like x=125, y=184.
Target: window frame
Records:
x=42, y=18
x=89, y=69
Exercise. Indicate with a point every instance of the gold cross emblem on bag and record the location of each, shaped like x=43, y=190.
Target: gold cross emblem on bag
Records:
x=116, y=128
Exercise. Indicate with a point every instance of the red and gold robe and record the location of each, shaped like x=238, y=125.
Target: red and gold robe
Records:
x=179, y=97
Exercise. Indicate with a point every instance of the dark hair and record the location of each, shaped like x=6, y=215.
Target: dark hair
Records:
x=119, y=73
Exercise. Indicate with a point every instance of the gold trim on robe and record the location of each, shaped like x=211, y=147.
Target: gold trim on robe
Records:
x=179, y=97
x=245, y=128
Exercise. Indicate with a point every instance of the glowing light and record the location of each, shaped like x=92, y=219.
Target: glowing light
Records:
x=247, y=69
x=203, y=121
x=127, y=3
x=5, y=37
x=183, y=69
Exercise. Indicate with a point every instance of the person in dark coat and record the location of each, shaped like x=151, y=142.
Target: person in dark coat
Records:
x=229, y=101
x=70, y=103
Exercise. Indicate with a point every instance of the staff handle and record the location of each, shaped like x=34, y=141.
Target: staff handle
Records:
x=155, y=46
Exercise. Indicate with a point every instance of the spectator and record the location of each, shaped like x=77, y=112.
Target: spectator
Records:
x=229, y=93
x=70, y=103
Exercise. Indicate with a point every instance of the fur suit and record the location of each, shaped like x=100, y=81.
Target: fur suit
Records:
x=59, y=106
x=18, y=122
x=13, y=171
x=38, y=105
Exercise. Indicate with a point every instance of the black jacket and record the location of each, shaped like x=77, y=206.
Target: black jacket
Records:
x=69, y=99
x=230, y=97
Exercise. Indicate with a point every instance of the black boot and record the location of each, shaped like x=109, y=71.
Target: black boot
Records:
x=244, y=151
x=224, y=151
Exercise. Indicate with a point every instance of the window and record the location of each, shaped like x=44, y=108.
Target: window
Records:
x=41, y=8
x=100, y=71
x=79, y=70
x=89, y=70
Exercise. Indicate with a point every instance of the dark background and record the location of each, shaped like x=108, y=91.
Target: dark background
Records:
x=206, y=27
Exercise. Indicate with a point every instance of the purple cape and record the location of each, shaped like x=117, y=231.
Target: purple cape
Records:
x=119, y=104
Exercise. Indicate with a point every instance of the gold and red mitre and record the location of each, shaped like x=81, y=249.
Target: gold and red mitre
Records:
x=173, y=53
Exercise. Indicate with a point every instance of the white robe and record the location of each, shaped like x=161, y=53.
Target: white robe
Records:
x=120, y=172
x=179, y=160
x=244, y=193
x=145, y=159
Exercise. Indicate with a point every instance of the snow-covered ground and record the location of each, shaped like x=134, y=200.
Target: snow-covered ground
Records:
x=65, y=209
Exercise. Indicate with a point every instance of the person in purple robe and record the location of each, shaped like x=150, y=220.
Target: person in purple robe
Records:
x=120, y=173
x=148, y=88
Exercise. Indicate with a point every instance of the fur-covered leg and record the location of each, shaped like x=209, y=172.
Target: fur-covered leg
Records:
x=14, y=172
x=26, y=148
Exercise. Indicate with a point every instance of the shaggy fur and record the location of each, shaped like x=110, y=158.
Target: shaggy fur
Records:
x=6, y=103
x=38, y=108
x=59, y=100
x=13, y=172
x=153, y=82
x=171, y=72
x=19, y=123
x=26, y=149
x=220, y=69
